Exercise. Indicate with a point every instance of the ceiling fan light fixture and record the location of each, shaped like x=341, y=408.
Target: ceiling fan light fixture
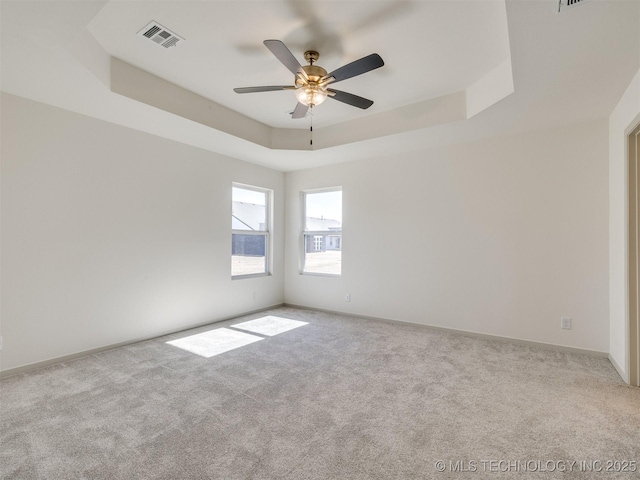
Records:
x=311, y=94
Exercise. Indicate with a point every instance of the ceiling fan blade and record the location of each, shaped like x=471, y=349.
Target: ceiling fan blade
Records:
x=263, y=89
x=350, y=99
x=285, y=56
x=300, y=111
x=358, y=67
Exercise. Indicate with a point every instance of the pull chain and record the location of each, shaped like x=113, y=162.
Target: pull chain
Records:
x=311, y=125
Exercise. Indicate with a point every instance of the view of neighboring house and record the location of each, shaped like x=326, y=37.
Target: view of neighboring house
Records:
x=326, y=235
x=248, y=217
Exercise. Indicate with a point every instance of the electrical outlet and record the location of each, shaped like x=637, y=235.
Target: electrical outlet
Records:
x=347, y=297
x=0, y=343
x=565, y=323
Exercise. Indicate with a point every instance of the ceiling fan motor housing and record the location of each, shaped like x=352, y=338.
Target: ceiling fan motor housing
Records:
x=314, y=72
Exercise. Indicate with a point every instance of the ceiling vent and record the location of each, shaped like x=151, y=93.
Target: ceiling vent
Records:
x=160, y=35
x=569, y=3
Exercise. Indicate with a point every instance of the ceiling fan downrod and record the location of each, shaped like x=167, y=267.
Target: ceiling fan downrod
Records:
x=311, y=56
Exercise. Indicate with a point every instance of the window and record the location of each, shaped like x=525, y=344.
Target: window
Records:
x=250, y=228
x=322, y=232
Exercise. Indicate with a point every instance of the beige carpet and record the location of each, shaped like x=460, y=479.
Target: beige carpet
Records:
x=337, y=398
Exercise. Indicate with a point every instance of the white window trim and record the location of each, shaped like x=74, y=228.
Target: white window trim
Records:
x=301, y=243
x=266, y=233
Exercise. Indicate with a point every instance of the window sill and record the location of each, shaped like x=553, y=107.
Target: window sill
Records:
x=318, y=274
x=253, y=275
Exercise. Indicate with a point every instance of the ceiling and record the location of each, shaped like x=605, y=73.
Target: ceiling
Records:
x=454, y=70
x=451, y=45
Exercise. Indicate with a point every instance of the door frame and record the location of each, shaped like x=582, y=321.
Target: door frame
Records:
x=633, y=324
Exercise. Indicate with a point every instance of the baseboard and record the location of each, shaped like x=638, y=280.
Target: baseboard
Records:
x=518, y=341
x=84, y=353
x=618, y=368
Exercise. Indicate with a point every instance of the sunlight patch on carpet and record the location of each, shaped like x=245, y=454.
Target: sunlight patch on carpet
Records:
x=214, y=342
x=270, y=325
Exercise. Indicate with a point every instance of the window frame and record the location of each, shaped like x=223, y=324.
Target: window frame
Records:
x=265, y=233
x=305, y=233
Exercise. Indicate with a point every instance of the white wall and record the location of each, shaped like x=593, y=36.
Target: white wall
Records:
x=623, y=119
x=110, y=234
x=501, y=236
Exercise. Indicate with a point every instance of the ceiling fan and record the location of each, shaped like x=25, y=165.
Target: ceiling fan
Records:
x=311, y=82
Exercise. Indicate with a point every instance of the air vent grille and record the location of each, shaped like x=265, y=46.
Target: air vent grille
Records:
x=160, y=35
x=152, y=31
x=170, y=42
